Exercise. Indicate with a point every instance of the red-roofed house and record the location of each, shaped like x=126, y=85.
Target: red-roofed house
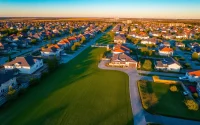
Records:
x=165, y=51
x=120, y=49
x=193, y=76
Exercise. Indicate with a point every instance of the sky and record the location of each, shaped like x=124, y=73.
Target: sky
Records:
x=176, y=9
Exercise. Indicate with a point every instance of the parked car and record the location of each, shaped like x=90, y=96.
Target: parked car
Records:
x=183, y=78
x=185, y=93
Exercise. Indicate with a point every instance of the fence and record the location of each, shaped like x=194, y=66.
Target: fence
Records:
x=158, y=80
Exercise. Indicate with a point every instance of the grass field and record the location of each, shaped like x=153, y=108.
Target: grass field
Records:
x=77, y=93
x=171, y=103
x=106, y=39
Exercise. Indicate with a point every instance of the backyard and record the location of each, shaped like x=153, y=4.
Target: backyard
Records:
x=170, y=103
x=77, y=93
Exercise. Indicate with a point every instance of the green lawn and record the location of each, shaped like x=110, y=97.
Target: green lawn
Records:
x=107, y=38
x=77, y=93
x=171, y=103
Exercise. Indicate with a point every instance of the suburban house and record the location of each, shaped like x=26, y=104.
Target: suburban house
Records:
x=4, y=48
x=25, y=65
x=72, y=39
x=165, y=44
x=193, y=76
x=180, y=44
x=51, y=51
x=7, y=79
x=165, y=51
x=168, y=64
x=65, y=43
x=122, y=60
x=167, y=36
x=155, y=33
x=118, y=48
x=152, y=41
x=142, y=35
x=181, y=35
x=119, y=39
x=192, y=45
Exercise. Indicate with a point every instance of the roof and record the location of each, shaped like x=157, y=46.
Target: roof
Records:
x=194, y=73
x=167, y=61
x=166, y=49
x=23, y=61
x=120, y=37
x=50, y=49
x=6, y=76
x=120, y=48
x=121, y=58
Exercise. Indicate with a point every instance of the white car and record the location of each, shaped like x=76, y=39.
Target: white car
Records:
x=183, y=78
x=185, y=93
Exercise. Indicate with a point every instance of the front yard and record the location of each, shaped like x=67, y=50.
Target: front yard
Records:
x=77, y=93
x=169, y=103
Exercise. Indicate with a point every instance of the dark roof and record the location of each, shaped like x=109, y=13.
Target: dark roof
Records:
x=6, y=76
x=167, y=61
x=23, y=61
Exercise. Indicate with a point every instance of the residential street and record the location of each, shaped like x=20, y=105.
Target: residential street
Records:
x=141, y=117
x=30, y=50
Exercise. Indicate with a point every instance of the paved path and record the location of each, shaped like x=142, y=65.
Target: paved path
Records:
x=141, y=117
x=30, y=50
x=138, y=112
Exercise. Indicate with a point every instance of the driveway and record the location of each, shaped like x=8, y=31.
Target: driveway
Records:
x=141, y=117
x=138, y=112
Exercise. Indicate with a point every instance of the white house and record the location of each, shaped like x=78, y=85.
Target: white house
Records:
x=26, y=65
x=168, y=64
x=180, y=44
x=193, y=76
x=149, y=41
x=7, y=79
x=122, y=60
x=51, y=51
x=165, y=51
x=120, y=39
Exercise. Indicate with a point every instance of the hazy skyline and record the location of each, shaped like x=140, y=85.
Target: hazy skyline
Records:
x=177, y=9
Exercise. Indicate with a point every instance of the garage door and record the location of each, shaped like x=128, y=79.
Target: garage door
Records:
x=132, y=65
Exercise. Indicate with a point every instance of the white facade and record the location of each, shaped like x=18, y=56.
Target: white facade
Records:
x=119, y=41
x=165, y=53
x=26, y=69
x=47, y=54
x=193, y=78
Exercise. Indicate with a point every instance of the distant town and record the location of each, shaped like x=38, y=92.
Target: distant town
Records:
x=118, y=67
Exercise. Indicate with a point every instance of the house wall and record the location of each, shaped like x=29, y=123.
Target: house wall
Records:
x=119, y=41
x=5, y=86
x=165, y=53
x=174, y=68
x=193, y=78
x=26, y=69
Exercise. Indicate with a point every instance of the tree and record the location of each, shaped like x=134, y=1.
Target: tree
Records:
x=83, y=39
x=73, y=47
x=9, y=58
x=173, y=88
x=33, y=41
x=150, y=52
x=191, y=104
x=147, y=65
x=195, y=56
x=52, y=64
